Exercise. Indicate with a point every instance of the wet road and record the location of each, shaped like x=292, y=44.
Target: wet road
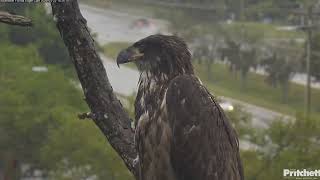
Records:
x=115, y=26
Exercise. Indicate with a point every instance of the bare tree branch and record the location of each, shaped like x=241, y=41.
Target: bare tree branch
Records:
x=107, y=111
x=13, y=19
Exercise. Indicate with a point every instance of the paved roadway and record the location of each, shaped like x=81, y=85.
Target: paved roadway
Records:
x=112, y=26
x=115, y=26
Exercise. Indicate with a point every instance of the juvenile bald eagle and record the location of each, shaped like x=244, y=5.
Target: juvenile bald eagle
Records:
x=181, y=131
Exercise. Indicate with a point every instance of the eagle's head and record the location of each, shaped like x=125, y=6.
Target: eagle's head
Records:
x=159, y=55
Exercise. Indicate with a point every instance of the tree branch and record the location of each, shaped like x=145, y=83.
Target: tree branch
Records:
x=12, y=19
x=109, y=114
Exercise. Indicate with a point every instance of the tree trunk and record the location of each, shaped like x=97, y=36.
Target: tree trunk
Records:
x=243, y=80
x=107, y=111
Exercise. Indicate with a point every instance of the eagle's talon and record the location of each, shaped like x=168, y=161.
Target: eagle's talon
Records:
x=87, y=115
x=136, y=161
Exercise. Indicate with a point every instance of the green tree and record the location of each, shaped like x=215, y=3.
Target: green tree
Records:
x=286, y=144
x=205, y=53
x=43, y=34
x=80, y=150
x=241, y=59
x=38, y=123
x=241, y=42
x=281, y=69
x=25, y=112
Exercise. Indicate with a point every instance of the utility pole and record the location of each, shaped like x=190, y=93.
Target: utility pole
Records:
x=307, y=16
x=242, y=38
x=308, y=27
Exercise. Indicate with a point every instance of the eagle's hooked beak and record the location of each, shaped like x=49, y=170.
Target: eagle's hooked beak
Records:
x=128, y=55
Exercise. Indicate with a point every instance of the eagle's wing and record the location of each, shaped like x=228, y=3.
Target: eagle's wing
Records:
x=204, y=144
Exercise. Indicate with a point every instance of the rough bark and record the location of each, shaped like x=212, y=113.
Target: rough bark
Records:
x=13, y=19
x=106, y=110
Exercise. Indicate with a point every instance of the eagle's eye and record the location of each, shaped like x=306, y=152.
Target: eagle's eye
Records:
x=140, y=46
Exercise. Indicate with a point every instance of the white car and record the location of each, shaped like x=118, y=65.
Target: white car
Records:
x=227, y=106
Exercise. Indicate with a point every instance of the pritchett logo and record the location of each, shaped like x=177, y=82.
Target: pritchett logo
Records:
x=301, y=174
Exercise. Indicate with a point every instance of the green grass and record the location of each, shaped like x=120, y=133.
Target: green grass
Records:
x=257, y=92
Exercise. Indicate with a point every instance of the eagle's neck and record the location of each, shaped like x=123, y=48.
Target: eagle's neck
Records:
x=151, y=93
x=151, y=80
x=153, y=86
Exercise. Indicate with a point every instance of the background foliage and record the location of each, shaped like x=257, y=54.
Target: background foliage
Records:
x=39, y=128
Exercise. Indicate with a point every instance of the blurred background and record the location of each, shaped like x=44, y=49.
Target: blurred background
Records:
x=261, y=58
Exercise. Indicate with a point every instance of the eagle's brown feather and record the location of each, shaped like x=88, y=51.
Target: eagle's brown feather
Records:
x=181, y=132
x=204, y=144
